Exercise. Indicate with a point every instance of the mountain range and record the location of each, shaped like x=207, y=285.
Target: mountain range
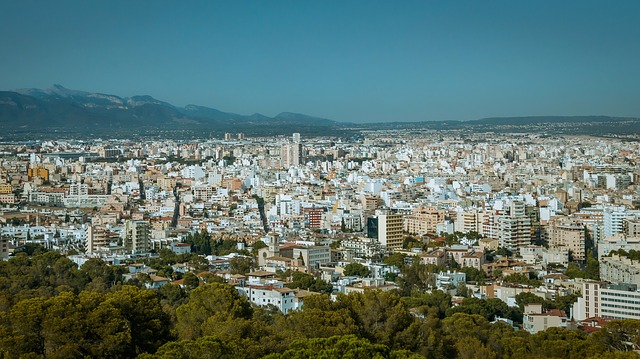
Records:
x=61, y=110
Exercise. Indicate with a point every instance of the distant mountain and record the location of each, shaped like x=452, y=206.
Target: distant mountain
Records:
x=61, y=109
x=528, y=120
x=25, y=112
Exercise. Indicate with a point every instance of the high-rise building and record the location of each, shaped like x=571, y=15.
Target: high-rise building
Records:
x=290, y=154
x=97, y=238
x=514, y=227
x=570, y=234
x=137, y=236
x=390, y=228
x=613, y=218
x=296, y=138
x=424, y=220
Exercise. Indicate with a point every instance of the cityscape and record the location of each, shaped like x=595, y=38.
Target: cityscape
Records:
x=335, y=179
x=545, y=228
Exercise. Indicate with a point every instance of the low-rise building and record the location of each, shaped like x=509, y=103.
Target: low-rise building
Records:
x=535, y=320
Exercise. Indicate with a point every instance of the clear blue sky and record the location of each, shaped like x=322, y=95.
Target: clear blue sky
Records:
x=344, y=60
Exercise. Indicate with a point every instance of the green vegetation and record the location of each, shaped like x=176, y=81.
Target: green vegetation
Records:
x=591, y=269
x=356, y=269
x=202, y=243
x=51, y=309
x=631, y=254
x=309, y=282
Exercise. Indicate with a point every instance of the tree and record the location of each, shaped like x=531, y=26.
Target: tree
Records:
x=474, y=274
x=148, y=323
x=437, y=300
x=218, y=301
x=462, y=290
x=396, y=260
x=309, y=282
x=190, y=280
x=525, y=298
x=592, y=270
x=356, y=269
x=381, y=315
x=349, y=346
x=206, y=347
x=240, y=265
x=258, y=245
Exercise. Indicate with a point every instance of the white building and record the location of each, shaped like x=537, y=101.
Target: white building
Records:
x=607, y=301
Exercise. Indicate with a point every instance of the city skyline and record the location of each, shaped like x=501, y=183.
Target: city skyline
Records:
x=349, y=62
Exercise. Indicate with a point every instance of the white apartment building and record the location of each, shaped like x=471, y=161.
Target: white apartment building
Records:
x=137, y=236
x=615, y=243
x=262, y=290
x=619, y=269
x=614, y=218
x=607, y=301
x=390, y=228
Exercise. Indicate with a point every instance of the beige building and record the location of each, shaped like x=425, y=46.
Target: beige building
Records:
x=424, y=220
x=620, y=269
x=436, y=257
x=98, y=237
x=570, y=234
x=535, y=320
x=390, y=230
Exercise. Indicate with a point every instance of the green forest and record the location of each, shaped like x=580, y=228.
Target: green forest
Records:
x=49, y=308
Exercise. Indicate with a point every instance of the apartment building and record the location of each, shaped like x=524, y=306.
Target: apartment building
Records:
x=564, y=232
x=620, y=269
x=607, y=301
x=424, y=220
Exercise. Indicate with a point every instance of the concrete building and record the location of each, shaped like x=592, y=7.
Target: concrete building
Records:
x=535, y=320
x=450, y=280
x=607, y=301
x=390, y=228
x=291, y=154
x=514, y=227
x=98, y=238
x=424, y=220
x=620, y=269
x=137, y=236
x=313, y=256
x=569, y=234
x=4, y=248
x=613, y=218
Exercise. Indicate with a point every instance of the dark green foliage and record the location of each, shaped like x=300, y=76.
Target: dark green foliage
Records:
x=474, y=274
x=48, y=308
x=631, y=254
x=124, y=323
x=519, y=278
x=356, y=269
x=241, y=265
x=591, y=269
x=309, y=282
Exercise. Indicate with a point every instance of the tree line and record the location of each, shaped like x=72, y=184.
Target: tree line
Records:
x=49, y=308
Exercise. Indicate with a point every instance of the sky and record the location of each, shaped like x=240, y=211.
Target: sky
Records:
x=347, y=60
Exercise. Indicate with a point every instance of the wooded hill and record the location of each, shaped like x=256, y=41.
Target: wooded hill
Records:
x=51, y=309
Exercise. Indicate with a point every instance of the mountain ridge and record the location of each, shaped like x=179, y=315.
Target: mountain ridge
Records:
x=59, y=107
x=72, y=111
